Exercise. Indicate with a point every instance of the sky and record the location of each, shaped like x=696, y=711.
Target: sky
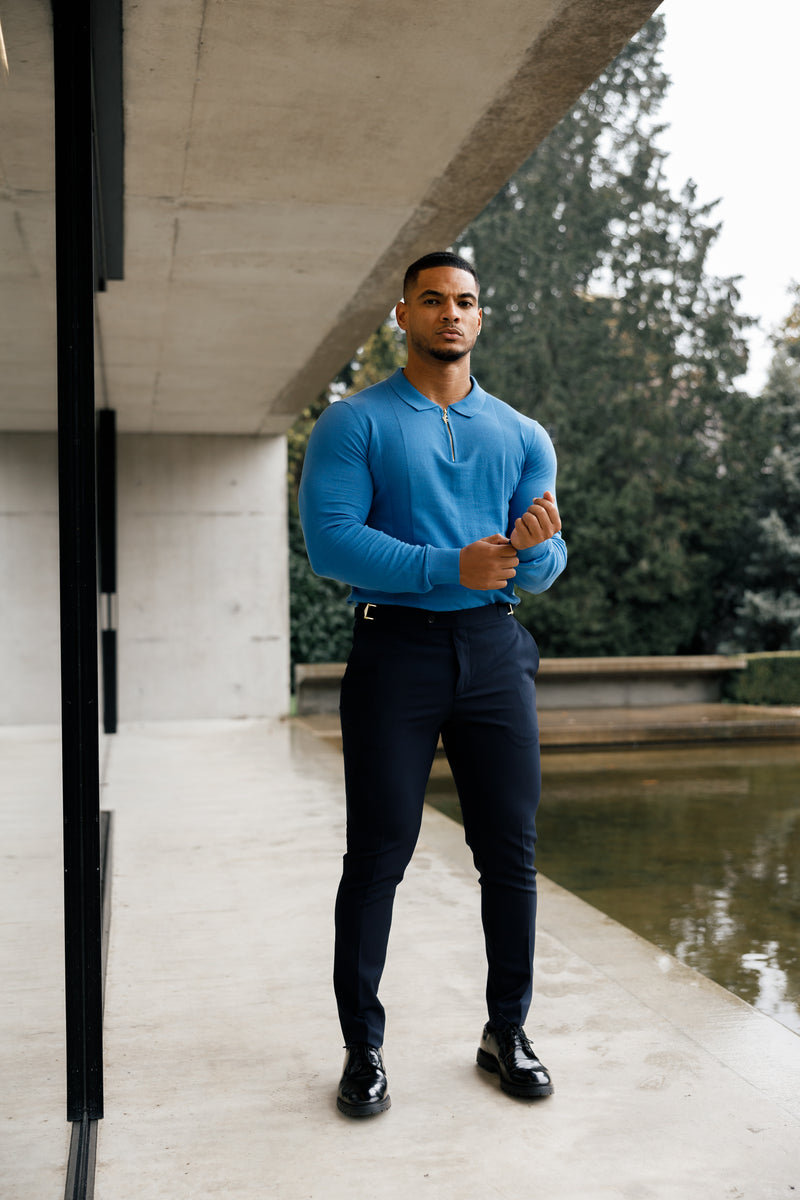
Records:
x=732, y=112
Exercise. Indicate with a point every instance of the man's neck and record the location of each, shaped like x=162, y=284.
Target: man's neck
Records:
x=443, y=382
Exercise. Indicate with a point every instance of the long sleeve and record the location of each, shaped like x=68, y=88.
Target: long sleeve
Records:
x=336, y=496
x=392, y=491
x=540, y=565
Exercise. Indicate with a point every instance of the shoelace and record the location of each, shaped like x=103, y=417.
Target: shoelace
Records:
x=362, y=1053
x=523, y=1037
x=517, y=1033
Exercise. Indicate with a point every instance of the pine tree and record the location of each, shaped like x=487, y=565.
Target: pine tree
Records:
x=603, y=323
x=769, y=616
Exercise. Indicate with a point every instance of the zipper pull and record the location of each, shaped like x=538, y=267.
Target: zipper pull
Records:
x=449, y=434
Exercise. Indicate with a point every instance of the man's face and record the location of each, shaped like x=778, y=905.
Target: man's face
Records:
x=441, y=317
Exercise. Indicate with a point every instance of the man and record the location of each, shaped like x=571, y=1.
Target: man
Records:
x=431, y=498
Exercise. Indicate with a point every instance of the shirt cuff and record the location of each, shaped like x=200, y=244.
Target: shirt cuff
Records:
x=443, y=566
x=535, y=554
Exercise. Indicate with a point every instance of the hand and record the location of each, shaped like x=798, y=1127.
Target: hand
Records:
x=536, y=525
x=488, y=564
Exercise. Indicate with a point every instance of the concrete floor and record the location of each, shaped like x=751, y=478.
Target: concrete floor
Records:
x=222, y=1047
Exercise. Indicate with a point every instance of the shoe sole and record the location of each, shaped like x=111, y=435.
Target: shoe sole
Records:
x=489, y=1063
x=363, y=1110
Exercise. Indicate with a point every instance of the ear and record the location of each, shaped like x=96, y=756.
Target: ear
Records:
x=480, y=319
x=400, y=313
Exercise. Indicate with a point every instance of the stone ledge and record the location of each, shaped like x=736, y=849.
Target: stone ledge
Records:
x=664, y=664
x=643, y=682
x=601, y=729
x=647, y=681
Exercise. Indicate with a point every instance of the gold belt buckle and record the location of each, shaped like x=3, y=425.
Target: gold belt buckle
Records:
x=367, y=607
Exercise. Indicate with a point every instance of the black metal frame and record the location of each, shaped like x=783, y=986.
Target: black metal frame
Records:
x=81, y=1161
x=83, y=1142
x=87, y=63
x=109, y=146
x=107, y=549
x=78, y=556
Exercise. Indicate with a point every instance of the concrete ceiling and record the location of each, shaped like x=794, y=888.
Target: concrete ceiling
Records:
x=283, y=163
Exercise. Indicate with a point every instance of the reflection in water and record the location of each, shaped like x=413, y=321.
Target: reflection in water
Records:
x=698, y=851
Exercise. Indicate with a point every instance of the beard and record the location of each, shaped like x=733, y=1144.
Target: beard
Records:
x=448, y=353
x=445, y=352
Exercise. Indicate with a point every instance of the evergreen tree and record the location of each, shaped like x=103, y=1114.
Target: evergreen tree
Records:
x=602, y=322
x=769, y=616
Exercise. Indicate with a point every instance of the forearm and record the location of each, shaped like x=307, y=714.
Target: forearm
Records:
x=344, y=549
x=534, y=520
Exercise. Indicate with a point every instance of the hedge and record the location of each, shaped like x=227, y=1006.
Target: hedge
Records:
x=768, y=678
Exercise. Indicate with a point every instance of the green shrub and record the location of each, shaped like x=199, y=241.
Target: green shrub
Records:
x=321, y=620
x=767, y=679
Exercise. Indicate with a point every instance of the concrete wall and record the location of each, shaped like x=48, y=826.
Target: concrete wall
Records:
x=30, y=679
x=202, y=575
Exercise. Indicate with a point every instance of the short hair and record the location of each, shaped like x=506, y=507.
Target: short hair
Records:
x=438, y=258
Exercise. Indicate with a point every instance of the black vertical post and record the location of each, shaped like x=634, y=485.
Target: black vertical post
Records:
x=107, y=546
x=109, y=140
x=78, y=557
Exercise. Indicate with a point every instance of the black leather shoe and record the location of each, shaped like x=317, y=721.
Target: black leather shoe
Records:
x=363, y=1090
x=509, y=1054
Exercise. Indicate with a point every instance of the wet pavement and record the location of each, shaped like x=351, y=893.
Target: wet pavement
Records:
x=222, y=1048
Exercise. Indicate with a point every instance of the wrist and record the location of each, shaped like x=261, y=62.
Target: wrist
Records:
x=525, y=553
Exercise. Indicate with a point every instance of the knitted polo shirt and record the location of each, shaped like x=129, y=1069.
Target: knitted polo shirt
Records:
x=393, y=487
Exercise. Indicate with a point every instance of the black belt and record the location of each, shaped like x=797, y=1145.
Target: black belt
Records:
x=398, y=616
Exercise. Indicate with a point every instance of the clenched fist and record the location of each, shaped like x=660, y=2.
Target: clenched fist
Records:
x=488, y=564
x=536, y=525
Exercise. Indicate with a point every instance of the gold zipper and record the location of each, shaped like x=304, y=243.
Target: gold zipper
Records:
x=449, y=434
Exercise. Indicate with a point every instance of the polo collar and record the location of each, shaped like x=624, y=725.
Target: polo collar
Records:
x=472, y=403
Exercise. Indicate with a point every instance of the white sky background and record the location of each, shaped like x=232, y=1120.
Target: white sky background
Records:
x=732, y=112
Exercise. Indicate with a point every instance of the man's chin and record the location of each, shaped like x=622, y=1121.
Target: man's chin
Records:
x=449, y=353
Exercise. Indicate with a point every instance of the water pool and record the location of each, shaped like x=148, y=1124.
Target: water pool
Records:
x=697, y=850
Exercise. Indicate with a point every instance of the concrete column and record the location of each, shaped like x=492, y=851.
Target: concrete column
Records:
x=30, y=679
x=203, y=577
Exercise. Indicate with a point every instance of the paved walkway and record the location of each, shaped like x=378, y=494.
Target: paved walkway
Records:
x=222, y=1049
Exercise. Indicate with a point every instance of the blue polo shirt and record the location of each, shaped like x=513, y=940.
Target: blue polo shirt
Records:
x=391, y=491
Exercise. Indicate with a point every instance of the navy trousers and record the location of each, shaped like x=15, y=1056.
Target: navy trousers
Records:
x=412, y=675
